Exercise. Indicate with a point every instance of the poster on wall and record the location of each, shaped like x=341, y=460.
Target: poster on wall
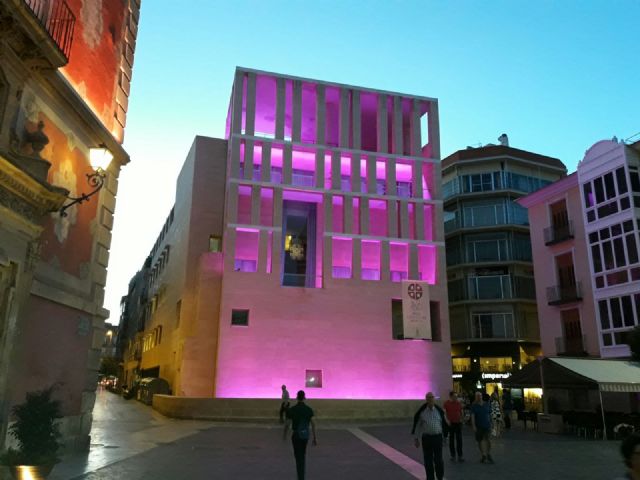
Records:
x=416, y=316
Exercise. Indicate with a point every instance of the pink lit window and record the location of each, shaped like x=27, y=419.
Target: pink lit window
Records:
x=313, y=379
x=244, y=205
x=428, y=222
x=266, y=207
x=265, y=106
x=399, y=261
x=342, y=251
x=246, y=259
x=337, y=215
x=370, y=260
x=378, y=218
x=427, y=261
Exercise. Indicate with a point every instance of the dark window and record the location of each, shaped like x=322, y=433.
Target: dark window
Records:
x=397, y=328
x=597, y=261
x=617, y=278
x=604, y=315
x=588, y=195
x=635, y=275
x=608, y=255
x=636, y=201
x=240, y=318
x=636, y=300
x=616, y=229
x=635, y=181
x=625, y=203
x=608, y=183
x=616, y=312
x=313, y=379
x=604, y=234
x=436, y=331
x=627, y=309
x=622, y=181
x=621, y=338
x=600, y=282
x=618, y=248
x=591, y=216
x=632, y=249
x=606, y=340
x=597, y=183
x=593, y=237
x=608, y=209
x=628, y=225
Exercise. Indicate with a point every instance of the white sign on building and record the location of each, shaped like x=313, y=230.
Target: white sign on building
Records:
x=416, y=315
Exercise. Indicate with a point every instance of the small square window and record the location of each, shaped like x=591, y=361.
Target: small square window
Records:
x=313, y=379
x=240, y=318
x=215, y=243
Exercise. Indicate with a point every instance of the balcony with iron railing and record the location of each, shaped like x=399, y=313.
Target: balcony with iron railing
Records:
x=575, y=347
x=561, y=294
x=558, y=233
x=57, y=20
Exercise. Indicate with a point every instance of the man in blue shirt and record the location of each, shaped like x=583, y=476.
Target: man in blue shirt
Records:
x=300, y=418
x=481, y=422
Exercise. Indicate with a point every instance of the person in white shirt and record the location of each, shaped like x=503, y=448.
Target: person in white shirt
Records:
x=429, y=425
x=284, y=406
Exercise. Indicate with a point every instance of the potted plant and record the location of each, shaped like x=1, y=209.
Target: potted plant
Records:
x=36, y=432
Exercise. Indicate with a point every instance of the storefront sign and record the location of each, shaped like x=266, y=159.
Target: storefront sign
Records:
x=416, y=317
x=456, y=375
x=495, y=376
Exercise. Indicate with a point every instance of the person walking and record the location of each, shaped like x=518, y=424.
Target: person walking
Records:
x=507, y=408
x=429, y=426
x=300, y=418
x=284, y=405
x=496, y=414
x=630, y=449
x=453, y=409
x=481, y=422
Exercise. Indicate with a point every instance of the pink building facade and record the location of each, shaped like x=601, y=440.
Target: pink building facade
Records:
x=585, y=237
x=325, y=198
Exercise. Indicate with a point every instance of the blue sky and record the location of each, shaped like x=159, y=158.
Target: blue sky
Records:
x=556, y=76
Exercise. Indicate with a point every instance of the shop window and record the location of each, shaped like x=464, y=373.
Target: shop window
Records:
x=461, y=365
x=240, y=318
x=495, y=364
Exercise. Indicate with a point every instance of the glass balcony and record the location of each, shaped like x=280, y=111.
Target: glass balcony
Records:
x=571, y=346
x=558, y=233
x=492, y=287
x=561, y=294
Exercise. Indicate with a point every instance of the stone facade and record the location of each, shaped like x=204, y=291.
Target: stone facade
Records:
x=53, y=267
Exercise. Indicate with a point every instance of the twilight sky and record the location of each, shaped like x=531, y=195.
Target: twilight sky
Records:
x=555, y=76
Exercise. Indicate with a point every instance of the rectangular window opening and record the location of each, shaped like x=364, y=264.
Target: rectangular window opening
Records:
x=240, y=318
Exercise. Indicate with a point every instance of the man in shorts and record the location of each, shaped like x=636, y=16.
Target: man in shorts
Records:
x=481, y=422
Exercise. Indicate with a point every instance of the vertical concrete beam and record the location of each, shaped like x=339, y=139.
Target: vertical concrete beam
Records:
x=287, y=164
x=392, y=218
x=356, y=259
x=320, y=167
x=385, y=265
x=344, y=118
x=416, y=180
x=356, y=133
x=250, y=123
x=413, y=262
x=356, y=181
x=232, y=204
x=390, y=172
x=277, y=207
x=348, y=213
x=397, y=125
x=248, y=159
x=434, y=131
x=371, y=174
x=235, y=157
x=414, y=125
x=255, y=205
x=418, y=213
x=327, y=261
x=265, y=170
x=236, y=114
x=280, y=107
x=381, y=125
x=297, y=111
x=404, y=219
x=263, y=246
x=327, y=202
x=276, y=255
x=320, y=115
x=230, y=250
x=335, y=170
x=364, y=216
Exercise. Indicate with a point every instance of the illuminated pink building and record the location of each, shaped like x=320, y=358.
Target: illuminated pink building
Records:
x=323, y=198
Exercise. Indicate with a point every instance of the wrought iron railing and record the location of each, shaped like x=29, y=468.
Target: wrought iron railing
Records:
x=571, y=346
x=57, y=19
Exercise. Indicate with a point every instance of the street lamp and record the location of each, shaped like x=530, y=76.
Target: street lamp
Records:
x=99, y=158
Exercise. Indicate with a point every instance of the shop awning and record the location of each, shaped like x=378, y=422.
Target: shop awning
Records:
x=562, y=372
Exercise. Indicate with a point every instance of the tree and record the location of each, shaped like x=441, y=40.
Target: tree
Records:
x=109, y=366
x=634, y=343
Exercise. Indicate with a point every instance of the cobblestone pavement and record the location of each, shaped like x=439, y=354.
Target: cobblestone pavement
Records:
x=131, y=441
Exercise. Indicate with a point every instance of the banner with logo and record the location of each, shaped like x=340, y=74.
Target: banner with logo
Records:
x=416, y=315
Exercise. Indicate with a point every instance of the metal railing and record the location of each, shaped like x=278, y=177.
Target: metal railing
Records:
x=559, y=294
x=492, y=287
x=558, y=233
x=571, y=346
x=57, y=19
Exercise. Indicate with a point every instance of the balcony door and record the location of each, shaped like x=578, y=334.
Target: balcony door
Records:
x=572, y=332
x=298, y=244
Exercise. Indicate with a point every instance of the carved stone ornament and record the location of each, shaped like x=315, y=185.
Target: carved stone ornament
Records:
x=34, y=250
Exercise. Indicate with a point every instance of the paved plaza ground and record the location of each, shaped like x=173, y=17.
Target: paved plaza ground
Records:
x=131, y=441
